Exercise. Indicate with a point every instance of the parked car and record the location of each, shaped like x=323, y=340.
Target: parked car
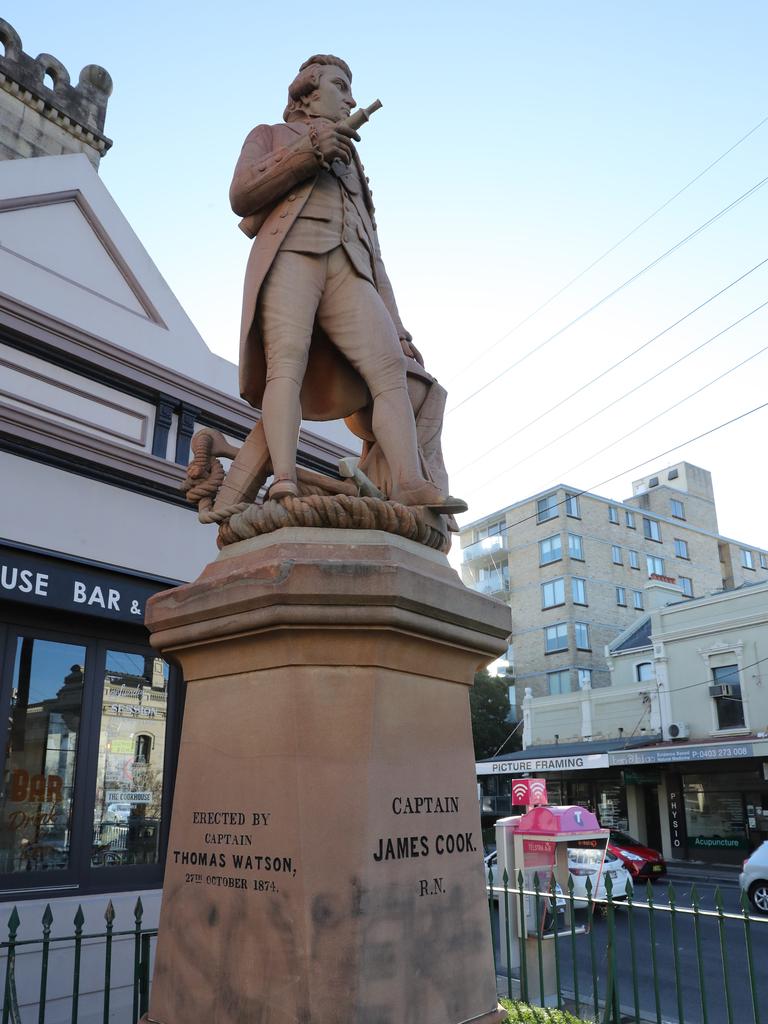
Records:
x=585, y=864
x=754, y=878
x=643, y=863
x=582, y=865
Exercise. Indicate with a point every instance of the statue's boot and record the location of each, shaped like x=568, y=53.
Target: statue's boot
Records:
x=431, y=497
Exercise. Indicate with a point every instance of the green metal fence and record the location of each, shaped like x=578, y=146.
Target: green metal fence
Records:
x=67, y=951
x=630, y=960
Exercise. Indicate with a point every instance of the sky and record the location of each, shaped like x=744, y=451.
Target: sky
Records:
x=518, y=142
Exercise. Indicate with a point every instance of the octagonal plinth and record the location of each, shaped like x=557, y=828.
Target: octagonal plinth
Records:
x=325, y=858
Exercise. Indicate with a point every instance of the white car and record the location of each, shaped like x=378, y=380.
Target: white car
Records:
x=585, y=864
x=754, y=878
x=582, y=865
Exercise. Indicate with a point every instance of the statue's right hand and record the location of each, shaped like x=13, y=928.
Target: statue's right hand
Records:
x=333, y=140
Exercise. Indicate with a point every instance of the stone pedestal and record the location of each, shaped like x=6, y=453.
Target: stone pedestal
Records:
x=325, y=859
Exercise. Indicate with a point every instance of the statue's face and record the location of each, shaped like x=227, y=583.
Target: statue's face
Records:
x=333, y=97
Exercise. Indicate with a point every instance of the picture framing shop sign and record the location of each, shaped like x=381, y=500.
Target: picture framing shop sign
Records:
x=527, y=765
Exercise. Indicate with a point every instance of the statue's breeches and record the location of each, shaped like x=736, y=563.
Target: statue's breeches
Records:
x=302, y=289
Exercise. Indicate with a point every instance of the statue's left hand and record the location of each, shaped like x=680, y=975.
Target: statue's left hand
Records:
x=406, y=343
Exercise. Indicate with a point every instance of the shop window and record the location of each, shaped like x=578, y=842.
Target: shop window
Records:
x=87, y=756
x=726, y=693
x=46, y=706
x=715, y=818
x=129, y=782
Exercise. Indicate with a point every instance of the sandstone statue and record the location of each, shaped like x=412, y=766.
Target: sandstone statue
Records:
x=321, y=335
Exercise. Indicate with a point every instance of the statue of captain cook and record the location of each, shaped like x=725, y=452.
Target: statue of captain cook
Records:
x=321, y=335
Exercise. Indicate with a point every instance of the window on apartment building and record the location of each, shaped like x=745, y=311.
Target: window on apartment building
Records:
x=726, y=693
x=559, y=682
x=655, y=565
x=686, y=585
x=637, y=600
x=556, y=638
x=584, y=676
x=747, y=559
x=579, y=590
x=651, y=529
x=553, y=593
x=634, y=560
x=575, y=547
x=581, y=631
x=490, y=530
x=613, y=514
x=550, y=549
x=681, y=548
x=616, y=554
x=644, y=672
x=677, y=507
x=630, y=519
x=621, y=596
x=572, y=506
x=546, y=508
x=763, y=561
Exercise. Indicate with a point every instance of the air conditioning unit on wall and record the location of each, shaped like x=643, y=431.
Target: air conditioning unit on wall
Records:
x=677, y=731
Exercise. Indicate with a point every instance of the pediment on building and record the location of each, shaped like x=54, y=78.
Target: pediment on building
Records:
x=60, y=236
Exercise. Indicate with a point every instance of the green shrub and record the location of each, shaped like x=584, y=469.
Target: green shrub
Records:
x=522, y=1013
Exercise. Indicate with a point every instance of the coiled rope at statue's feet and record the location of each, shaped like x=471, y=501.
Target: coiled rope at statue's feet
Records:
x=335, y=512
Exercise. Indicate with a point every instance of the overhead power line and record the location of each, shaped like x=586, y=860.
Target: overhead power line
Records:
x=639, y=465
x=630, y=280
x=675, y=405
x=633, y=390
x=593, y=380
x=608, y=252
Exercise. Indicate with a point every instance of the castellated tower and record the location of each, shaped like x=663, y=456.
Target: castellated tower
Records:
x=41, y=113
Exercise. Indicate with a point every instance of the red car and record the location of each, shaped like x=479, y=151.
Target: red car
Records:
x=643, y=863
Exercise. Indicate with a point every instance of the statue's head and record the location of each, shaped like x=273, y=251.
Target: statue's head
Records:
x=322, y=88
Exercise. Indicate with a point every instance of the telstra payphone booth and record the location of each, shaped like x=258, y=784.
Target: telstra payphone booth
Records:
x=538, y=843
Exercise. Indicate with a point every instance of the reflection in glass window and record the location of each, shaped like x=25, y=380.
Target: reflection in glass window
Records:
x=129, y=780
x=41, y=756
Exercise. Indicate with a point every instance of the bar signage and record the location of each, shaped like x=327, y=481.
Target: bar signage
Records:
x=48, y=582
